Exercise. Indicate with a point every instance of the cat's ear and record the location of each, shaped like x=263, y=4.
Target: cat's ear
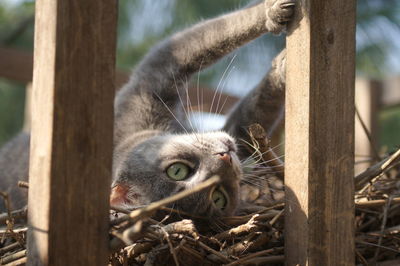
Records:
x=123, y=196
x=118, y=195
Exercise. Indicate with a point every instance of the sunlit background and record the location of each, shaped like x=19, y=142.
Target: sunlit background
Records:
x=142, y=23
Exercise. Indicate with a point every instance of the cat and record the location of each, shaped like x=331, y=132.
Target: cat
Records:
x=156, y=152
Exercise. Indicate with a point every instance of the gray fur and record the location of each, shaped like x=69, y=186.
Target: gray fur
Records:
x=14, y=160
x=147, y=135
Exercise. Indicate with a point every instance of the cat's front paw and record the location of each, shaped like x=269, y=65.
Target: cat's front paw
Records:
x=279, y=13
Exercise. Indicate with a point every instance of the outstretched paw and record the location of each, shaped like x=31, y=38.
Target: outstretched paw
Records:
x=279, y=13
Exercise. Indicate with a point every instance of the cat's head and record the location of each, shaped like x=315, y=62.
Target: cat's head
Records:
x=164, y=165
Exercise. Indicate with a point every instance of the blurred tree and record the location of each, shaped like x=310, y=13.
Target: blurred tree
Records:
x=12, y=101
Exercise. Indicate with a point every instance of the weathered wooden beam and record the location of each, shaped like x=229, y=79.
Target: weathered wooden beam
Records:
x=319, y=152
x=72, y=129
x=18, y=66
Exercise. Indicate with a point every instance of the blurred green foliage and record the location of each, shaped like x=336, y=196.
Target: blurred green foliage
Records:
x=12, y=101
x=377, y=21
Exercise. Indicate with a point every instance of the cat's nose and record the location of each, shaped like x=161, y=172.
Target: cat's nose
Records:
x=226, y=157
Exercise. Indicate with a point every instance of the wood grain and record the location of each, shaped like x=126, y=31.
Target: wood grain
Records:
x=72, y=128
x=319, y=152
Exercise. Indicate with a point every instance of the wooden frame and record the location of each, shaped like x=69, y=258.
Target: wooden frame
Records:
x=72, y=129
x=319, y=154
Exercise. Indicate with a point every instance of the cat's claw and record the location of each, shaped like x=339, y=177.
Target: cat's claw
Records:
x=278, y=13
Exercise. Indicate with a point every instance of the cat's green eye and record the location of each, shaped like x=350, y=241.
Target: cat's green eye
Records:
x=219, y=199
x=178, y=171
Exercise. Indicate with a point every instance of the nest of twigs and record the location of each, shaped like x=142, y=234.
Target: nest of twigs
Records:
x=157, y=235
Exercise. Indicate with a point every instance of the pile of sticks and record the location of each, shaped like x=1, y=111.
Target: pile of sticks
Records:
x=158, y=235
x=377, y=220
x=251, y=239
x=13, y=236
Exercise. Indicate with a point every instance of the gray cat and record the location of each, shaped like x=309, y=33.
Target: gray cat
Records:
x=155, y=153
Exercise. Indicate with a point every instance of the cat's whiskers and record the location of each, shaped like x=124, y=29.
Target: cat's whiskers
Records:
x=258, y=179
x=202, y=110
x=267, y=185
x=198, y=96
x=261, y=175
x=173, y=209
x=222, y=224
x=265, y=162
x=219, y=110
x=245, y=177
x=220, y=81
x=261, y=165
x=257, y=148
x=264, y=171
x=252, y=183
x=223, y=104
x=259, y=152
x=278, y=145
x=247, y=161
x=251, y=157
x=219, y=225
x=181, y=101
x=258, y=182
x=189, y=104
x=183, y=106
x=224, y=80
x=251, y=145
x=272, y=166
x=169, y=110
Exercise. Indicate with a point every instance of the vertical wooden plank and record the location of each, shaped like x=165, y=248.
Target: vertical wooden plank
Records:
x=319, y=152
x=368, y=101
x=71, y=145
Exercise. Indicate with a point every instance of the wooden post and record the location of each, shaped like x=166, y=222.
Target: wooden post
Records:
x=319, y=152
x=72, y=128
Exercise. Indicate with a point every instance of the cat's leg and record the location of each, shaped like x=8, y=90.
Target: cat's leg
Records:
x=156, y=82
x=262, y=105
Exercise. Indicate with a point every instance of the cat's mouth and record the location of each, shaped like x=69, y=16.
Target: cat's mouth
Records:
x=219, y=198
